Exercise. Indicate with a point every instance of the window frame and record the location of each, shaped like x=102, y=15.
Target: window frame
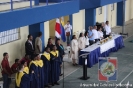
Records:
x=112, y=7
x=100, y=10
x=8, y=34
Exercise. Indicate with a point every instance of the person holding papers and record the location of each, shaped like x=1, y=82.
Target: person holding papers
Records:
x=23, y=79
x=34, y=67
x=40, y=71
x=95, y=33
x=55, y=66
x=47, y=66
x=86, y=39
x=100, y=34
x=108, y=29
x=75, y=50
x=81, y=41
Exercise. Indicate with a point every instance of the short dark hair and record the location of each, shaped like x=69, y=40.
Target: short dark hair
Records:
x=53, y=46
x=35, y=55
x=86, y=32
x=16, y=60
x=73, y=37
x=29, y=36
x=107, y=21
x=39, y=34
x=80, y=35
x=49, y=39
x=22, y=62
x=46, y=48
x=68, y=21
x=4, y=54
x=57, y=39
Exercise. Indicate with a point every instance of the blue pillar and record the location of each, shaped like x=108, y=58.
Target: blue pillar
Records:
x=36, y=2
x=120, y=15
x=71, y=22
x=34, y=29
x=90, y=17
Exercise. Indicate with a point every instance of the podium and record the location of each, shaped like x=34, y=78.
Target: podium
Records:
x=84, y=57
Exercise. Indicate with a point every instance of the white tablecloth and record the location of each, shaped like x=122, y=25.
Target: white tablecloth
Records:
x=104, y=47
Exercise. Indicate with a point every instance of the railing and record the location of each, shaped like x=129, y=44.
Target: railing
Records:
x=11, y=4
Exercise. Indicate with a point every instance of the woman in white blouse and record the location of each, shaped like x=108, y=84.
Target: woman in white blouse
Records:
x=86, y=39
x=75, y=49
x=100, y=33
x=81, y=41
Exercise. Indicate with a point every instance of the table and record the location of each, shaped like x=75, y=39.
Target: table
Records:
x=97, y=50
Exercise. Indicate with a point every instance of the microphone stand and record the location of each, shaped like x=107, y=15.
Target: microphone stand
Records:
x=63, y=72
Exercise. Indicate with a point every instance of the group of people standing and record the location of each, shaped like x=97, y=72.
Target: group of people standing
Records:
x=35, y=70
x=91, y=36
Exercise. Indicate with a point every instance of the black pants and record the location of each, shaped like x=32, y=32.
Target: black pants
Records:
x=86, y=46
x=107, y=36
x=96, y=40
x=91, y=42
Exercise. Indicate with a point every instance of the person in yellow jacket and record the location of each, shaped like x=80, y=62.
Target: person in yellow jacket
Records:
x=26, y=69
x=22, y=79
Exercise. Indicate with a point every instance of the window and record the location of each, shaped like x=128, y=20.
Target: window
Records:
x=9, y=36
x=112, y=7
x=100, y=10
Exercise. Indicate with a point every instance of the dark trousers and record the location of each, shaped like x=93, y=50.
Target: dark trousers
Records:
x=86, y=46
x=68, y=40
x=91, y=42
x=107, y=36
x=6, y=81
x=61, y=64
x=96, y=40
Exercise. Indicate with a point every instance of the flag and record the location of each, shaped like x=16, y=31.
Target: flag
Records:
x=107, y=69
x=57, y=28
x=63, y=37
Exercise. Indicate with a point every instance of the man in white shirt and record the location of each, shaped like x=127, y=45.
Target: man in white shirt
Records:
x=107, y=29
x=38, y=43
x=68, y=29
x=95, y=33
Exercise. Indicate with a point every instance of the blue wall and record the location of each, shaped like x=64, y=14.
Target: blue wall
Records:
x=86, y=4
x=36, y=14
x=90, y=17
x=105, y=2
x=54, y=0
x=34, y=29
x=120, y=13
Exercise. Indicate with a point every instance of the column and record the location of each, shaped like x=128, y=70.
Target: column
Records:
x=90, y=17
x=120, y=13
x=71, y=22
x=36, y=2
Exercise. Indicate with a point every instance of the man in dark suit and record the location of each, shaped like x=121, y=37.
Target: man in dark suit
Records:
x=29, y=48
